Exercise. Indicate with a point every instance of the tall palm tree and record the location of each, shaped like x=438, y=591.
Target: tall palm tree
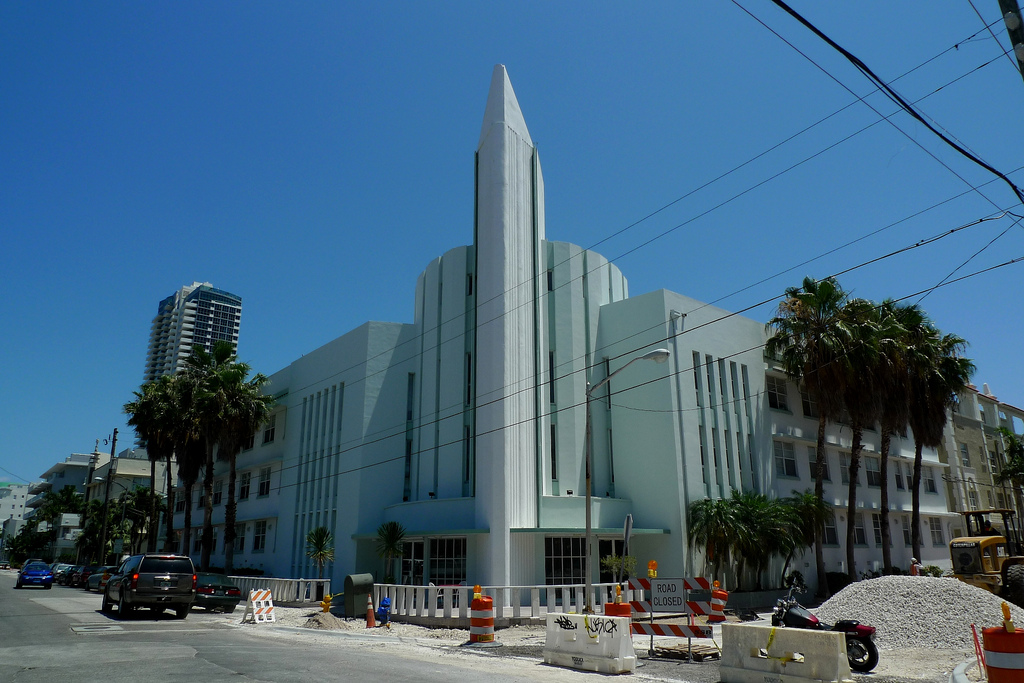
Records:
x=810, y=336
x=148, y=414
x=188, y=451
x=245, y=408
x=937, y=374
x=895, y=322
x=320, y=548
x=861, y=399
x=213, y=373
x=714, y=525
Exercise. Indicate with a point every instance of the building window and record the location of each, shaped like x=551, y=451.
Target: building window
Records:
x=993, y=462
x=551, y=376
x=197, y=539
x=935, y=525
x=907, y=541
x=259, y=537
x=551, y=280
x=785, y=459
x=810, y=404
x=250, y=443
x=469, y=285
x=239, y=544
x=447, y=561
x=776, y=389
x=844, y=468
x=564, y=560
x=410, y=395
x=929, y=481
x=873, y=471
x=812, y=461
x=554, y=452
x=179, y=502
x=876, y=525
x=270, y=429
x=213, y=546
x=859, y=537
x=898, y=472
x=218, y=491
x=201, y=501
x=264, y=489
x=965, y=458
x=831, y=536
x=972, y=495
x=243, y=486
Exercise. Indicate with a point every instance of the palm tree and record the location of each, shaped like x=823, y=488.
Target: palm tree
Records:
x=937, y=375
x=808, y=516
x=149, y=416
x=245, y=408
x=214, y=374
x=188, y=451
x=861, y=399
x=895, y=321
x=390, y=538
x=763, y=530
x=713, y=526
x=320, y=548
x=810, y=336
x=1012, y=471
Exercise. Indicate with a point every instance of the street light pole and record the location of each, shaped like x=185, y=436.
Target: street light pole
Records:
x=111, y=470
x=658, y=356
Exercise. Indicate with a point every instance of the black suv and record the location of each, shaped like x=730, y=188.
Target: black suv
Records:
x=156, y=581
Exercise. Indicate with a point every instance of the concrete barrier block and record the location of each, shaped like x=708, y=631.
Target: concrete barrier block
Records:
x=766, y=654
x=589, y=643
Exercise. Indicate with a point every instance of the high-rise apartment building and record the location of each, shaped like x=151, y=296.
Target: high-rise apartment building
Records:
x=196, y=315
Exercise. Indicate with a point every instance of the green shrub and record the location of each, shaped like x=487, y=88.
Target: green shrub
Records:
x=837, y=581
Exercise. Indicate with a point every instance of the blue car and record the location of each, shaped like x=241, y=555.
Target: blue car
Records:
x=35, y=574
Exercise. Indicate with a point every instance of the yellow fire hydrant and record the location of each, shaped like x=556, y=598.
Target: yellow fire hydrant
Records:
x=325, y=604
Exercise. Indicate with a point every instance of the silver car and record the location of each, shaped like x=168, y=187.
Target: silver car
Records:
x=158, y=582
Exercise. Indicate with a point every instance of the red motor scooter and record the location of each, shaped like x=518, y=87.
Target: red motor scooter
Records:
x=860, y=648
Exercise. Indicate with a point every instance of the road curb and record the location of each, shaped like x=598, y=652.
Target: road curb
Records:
x=959, y=674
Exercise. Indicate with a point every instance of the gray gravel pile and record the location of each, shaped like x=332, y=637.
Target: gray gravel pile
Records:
x=918, y=611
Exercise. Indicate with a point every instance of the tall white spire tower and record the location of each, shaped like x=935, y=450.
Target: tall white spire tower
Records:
x=509, y=234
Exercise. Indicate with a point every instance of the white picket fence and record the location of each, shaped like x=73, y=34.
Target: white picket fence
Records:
x=516, y=602
x=285, y=590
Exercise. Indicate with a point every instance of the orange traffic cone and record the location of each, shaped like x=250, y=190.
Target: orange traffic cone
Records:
x=370, y=621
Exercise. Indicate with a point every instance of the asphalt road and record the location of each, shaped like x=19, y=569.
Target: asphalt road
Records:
x=60, y=635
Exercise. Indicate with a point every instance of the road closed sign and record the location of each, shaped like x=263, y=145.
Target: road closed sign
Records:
x=668, y=595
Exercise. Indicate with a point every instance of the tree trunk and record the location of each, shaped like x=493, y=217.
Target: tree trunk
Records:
x=151, y=529
x=229, y=519
x=207, y=548
x=169, y=546
x=883, y=470
x=819, y=532
x=186, y=524
x=915, y=497
x=851, y=505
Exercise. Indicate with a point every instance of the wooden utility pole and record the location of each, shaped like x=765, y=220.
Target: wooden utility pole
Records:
x=111, y=469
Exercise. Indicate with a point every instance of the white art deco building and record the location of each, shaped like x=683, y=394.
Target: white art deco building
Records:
x=467, y=425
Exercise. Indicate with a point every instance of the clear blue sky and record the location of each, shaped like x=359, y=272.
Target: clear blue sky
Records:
x=314, y=157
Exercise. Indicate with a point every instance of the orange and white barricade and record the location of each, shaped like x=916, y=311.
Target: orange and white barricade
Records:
x=481, y=620
x=259, y=608
x=1004, y=654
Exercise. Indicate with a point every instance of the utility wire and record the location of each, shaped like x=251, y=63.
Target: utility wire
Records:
x=892, y=95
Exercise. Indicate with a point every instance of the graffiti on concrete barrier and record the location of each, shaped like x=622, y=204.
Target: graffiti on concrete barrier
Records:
x=566, y=623
x=597, y=626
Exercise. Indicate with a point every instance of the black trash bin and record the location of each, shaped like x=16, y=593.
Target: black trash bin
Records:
x=357, y=587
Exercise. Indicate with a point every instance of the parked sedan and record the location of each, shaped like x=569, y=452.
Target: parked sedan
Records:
x=83, y=577
x=35, y=574
x=70, y=577
x=216, y=592
x=98, y=579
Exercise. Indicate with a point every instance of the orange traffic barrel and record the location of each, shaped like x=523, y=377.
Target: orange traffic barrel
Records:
x=481, y=620
x=718, y=599
x=1004, y=655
